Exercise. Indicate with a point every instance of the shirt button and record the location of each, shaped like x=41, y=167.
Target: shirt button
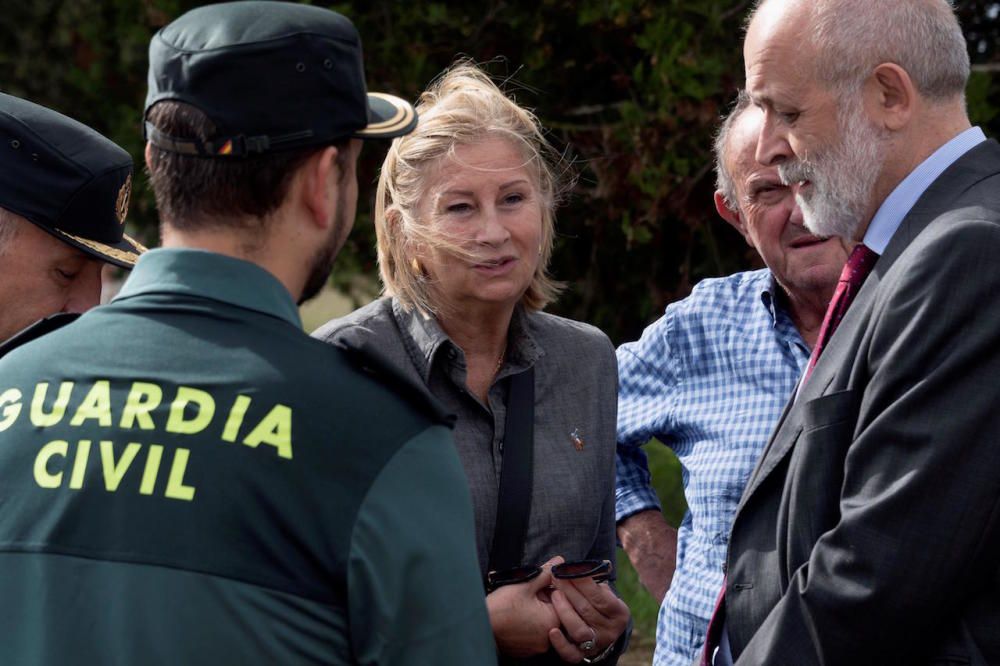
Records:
x=500, y=445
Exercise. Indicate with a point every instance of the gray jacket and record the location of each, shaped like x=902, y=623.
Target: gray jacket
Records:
x=572, y=508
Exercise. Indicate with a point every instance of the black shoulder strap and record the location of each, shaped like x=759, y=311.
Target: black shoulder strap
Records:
x=36, y=330
x=514, y=503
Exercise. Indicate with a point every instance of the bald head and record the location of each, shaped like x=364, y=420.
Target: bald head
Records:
x=850, y=38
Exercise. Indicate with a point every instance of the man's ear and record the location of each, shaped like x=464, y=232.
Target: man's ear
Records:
x=318, y=186
x=731, y=216
x=890, y=96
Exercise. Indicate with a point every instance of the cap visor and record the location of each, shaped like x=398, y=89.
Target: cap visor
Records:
x=124, y=253
x=388, y=117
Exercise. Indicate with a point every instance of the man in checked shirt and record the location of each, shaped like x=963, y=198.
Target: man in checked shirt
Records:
x=709, y=379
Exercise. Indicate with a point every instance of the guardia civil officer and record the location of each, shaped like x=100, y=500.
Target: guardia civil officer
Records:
x=186, y=477
x=64, y=194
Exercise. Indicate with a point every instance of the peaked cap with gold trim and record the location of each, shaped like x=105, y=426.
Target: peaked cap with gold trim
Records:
x=270, y=76
x=67, y=179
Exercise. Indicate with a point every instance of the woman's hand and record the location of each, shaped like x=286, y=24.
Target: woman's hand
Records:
x=587, y=611
x=522, y=615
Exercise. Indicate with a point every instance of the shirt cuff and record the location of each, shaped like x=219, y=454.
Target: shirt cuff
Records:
x=631, y=501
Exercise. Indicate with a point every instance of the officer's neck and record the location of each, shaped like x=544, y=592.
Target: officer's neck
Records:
x=238, y=243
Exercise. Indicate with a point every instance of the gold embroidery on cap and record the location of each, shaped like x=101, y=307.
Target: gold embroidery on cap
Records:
x=124, y=194
x=108, y=251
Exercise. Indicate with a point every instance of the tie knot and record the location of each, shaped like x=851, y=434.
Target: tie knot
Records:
x=859, y=264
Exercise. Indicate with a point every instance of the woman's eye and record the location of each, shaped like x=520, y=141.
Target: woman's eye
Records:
x=65, y=275
x=789, y=116
x=458, y=208
x=513, y=198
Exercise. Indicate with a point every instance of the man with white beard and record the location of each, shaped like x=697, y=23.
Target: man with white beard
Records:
x=869, y=532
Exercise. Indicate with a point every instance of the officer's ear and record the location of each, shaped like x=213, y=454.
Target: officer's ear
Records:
x=318, y=186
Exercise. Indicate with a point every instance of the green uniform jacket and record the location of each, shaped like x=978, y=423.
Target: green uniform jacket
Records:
x=187, y=478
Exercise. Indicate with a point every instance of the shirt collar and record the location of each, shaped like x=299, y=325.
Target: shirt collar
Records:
x=210, y=275
x=895, y=207
x=770, y=296
x=423, y=338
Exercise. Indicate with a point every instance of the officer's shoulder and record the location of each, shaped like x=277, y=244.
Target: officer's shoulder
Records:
x=368, y=340
x=35, y=331
x=379, y=368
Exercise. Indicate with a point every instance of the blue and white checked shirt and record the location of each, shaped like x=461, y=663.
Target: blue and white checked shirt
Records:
x=709, y=379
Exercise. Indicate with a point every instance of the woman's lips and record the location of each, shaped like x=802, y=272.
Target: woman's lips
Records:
x=498, y=266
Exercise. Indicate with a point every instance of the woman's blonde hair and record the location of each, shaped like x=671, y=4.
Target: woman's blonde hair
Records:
x=461, y=106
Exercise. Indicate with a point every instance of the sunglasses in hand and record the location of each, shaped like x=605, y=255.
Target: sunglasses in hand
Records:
x=599, y=570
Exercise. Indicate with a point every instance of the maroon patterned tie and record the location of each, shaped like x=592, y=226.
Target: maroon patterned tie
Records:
x=857, y=268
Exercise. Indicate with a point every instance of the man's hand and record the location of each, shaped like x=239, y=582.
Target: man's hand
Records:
x=522, y=615
x=651, y=544
x=587, y=611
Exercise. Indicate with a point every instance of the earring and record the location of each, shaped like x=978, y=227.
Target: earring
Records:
x=415, y=265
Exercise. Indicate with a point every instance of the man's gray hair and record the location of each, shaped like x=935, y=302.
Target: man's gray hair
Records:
x=852, y=37
x=723, y=176
x=8, y=228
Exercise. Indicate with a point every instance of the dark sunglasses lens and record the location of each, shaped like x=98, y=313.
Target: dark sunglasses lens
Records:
x=583, y=569
x=512, y=576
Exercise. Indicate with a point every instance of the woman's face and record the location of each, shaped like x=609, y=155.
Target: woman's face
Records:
x=485, y=198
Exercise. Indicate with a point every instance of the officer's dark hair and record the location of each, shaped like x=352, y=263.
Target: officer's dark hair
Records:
x=193, y=192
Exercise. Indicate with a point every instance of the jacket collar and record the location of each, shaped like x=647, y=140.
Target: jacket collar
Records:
x=213, y=276
x=426, y=341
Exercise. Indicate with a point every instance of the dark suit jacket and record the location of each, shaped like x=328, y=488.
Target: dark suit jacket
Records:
x=870, y=530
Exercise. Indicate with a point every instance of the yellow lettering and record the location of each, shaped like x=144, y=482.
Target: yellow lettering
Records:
x=274, y=429
x=151, y=470
x=175, y=482
x=142, y=399
x=204, y=411
x=11, y=401
x=42, y=476
x=235, y=419
x=38, y=416
x=80, y=464
x=97, y=405
x=114, y=470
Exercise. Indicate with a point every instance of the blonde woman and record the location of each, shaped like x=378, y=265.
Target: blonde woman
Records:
x=464, y=220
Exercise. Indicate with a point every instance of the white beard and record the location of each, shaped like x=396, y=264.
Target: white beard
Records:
x=842, y=176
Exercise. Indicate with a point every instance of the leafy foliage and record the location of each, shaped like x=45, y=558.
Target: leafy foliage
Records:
x=631, y=89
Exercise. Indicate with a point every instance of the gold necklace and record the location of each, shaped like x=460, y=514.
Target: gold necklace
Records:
x=503, y=354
